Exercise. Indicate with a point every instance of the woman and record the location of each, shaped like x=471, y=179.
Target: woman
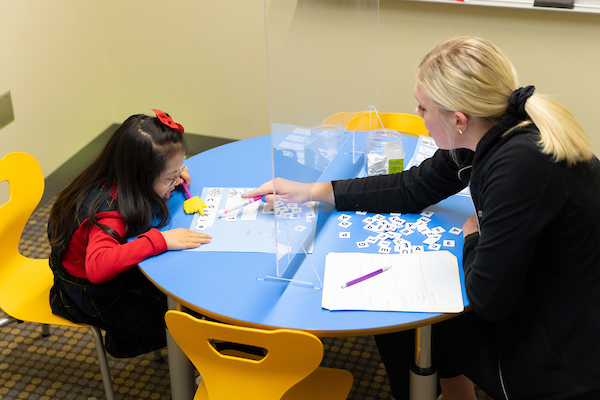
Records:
x=531, y=256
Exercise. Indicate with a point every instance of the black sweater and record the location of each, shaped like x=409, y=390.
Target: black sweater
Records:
x=534, y=271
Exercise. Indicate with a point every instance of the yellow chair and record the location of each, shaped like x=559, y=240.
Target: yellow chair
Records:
x=404, y=123
x=341, y=118
x=25, y=282
x=289, y=370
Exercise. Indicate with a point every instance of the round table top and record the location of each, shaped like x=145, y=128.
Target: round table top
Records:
x=229, y=286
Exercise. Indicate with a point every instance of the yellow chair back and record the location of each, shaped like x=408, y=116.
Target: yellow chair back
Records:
x=403, y=123
x=291, y=361
x=22, y=279
x=25, y=282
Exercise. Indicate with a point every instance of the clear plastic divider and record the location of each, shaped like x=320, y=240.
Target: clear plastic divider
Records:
x=322, y=59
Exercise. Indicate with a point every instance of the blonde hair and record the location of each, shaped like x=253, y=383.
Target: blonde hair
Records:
x=471, y=75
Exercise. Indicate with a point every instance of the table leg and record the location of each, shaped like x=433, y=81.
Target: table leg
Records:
x=181, y=370
x=423, y=375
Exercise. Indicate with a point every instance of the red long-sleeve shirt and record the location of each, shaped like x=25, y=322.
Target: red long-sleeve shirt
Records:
x=93, y=255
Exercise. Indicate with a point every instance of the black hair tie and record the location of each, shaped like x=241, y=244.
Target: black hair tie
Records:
x=516, y=102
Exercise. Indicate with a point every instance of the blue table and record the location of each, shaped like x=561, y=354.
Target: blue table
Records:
x=224, y=285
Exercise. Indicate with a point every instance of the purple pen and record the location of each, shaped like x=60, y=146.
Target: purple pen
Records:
x=365, y=277
x=251, y=200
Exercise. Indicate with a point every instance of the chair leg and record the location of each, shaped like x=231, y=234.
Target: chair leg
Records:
x=45, y=330
x=6, y=320
x=102, y=360
x=158, y=356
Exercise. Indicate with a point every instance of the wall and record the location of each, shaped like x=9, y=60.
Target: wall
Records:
x=74, y=68
x=556, y=51
x=202, y=61
x=53, y=61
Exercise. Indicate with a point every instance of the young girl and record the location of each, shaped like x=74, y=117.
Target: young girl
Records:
x=120, y=196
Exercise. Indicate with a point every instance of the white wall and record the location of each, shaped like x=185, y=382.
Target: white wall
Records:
x=556, y=51
x=53, y=61
x=202, y=61
x=74, y=68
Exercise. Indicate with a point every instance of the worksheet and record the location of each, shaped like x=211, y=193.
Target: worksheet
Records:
x=425, y=148
x=253, y=228
x=416, y=282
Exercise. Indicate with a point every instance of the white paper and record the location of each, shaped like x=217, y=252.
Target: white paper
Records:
x=417, y=282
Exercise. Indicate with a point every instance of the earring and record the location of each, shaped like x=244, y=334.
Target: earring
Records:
x=460, y=132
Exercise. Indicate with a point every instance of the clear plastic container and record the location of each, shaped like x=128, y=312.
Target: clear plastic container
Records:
x=384, y=153
x=323, y=144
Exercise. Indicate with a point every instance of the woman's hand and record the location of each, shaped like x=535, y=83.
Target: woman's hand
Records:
x=293, y=192
x=470, y=226
x=181, y=239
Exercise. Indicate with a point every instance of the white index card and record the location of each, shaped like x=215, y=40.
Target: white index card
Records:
x=345, y=224
x=371, y=239
x=381, y=236
x=371, y=228
x=295, y=138
x=430, y=240
x=299, y=228
x=426, y=150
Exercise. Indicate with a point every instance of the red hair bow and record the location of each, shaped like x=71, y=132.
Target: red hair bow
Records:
x=167, y=120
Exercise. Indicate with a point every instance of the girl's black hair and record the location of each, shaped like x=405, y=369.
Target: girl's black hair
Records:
x=132, y=161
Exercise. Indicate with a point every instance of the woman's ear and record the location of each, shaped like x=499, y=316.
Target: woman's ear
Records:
x=461, y=121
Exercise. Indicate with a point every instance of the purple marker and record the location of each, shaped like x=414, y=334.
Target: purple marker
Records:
x=365, y=277
x=251, y=200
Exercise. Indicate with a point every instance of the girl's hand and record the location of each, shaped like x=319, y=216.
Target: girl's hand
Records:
x=185, y=175
x=181, y=239
x=470, y=226
x=293, y=192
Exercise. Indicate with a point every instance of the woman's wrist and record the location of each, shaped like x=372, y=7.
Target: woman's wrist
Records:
x=323, y=192
x=472, y=235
